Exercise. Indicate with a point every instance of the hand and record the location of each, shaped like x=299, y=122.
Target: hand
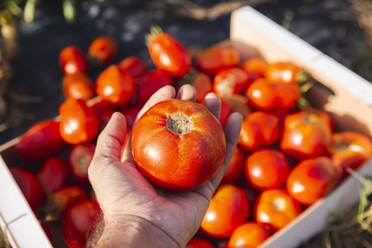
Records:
x=136, y=214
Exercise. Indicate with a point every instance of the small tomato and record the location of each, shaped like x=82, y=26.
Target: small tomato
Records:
x=249, y=234
x=78, y=86
x=133, y=66
x=282, y=72
x=52, y=174
x=230, y=81
x=235, y=168
x=103, y=49
x=72, y=60
x=215, y=59
x=256, y=67
x=79, y=160
x=199, y=243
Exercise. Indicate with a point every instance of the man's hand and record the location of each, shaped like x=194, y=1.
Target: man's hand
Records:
x=136, y=214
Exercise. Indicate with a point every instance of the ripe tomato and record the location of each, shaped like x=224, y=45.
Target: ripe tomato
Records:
x=133, y=66
x=350, y=149
x=202, y=84
x=259, y=129
x=256, y=67
x=178, y=144
x=79, y=160
x=276, y=208
x=103, y=49
x=52, y=174
x=312, y=179
x=226, y=110
x=199, y=243
x=235, y=168
x=215, y=59
x=266, y=168
x=228, y=209
x=131, y=115
x=78, y=86
x=115, y=86
x=282, y=72
x=266, y=95
x=78, y=122
x=30, y=187
x=150, y=83
x=230, y=81
x=72, y=60
x=168, y=54
x=104, y=111
x=67, y=197
x=250, y=234
x=41, y=140
x=78, y=221
x=306, y=134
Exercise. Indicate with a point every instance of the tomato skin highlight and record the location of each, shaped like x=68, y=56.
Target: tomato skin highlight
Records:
x=78, y=86
x=231, y=81
x=79, y=160
x=133, y=66
x=282, y=72
x=199, y=243
x=52, y=174
x=248, y=235
x=235, y=168
x=72, y=60
x=103, y=49
x=174, y=146
x=215, y=59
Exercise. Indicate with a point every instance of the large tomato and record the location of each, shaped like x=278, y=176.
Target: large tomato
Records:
x=306, y=134
x=130, y=114
x=168, y=54
x=267, y=168
x=178, y=144
x=235, y=168
x=231, y=81
x=72, y=60
x=79, y=160
x=78, y=86
x=115, y=86
x=133, y=66
x=248, y=235
x=41, y=140
x=30, y=187
x=103, y=49
x=202, y=84
x=52, y=174
x=78, y=221
x=65, y=198
x=312, y=179
x=228, y=209
x=199, y=243
x=78, y=122
x=282, y=72
x=259, y=129
x=276, y=208
x=256, y=67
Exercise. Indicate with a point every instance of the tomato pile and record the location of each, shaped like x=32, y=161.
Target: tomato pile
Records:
x=287, y=158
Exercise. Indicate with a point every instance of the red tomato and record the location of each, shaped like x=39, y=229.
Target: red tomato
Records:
x=215, y=59
x=256, y=67
x=306, y=134
x=230, y=81
x=282, y=72
x=150, y=83
x=103, y=49
x=228, y=209
x=104, y=111
x=131, y=115
x=235, y=168
x=350, y=149
x=41, y=140
x=52, y=174
x=78, y=86
x=312, y=179
x=248, y=235
x=79, y=160
x=266, y=168
x=276, y=208
x=259, y=129
x=266, y=95
x=178, y=144
x=72, y=60
x=67, y=197
x=30, y=187
x=78, y=221
x=115, y=86
x=78, y=122
x=133, y=66
x=203, y=85
x=226, y=110
x=199, y=243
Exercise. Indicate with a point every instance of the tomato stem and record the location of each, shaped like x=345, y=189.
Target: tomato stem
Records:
x=179, y=123
x=154, y=32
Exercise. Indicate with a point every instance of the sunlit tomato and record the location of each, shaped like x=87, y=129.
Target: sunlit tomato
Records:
x=130, y=114
x=266, y=168
x=230, y=81
x=67, y=197
x=78, y=86
x=199, y=243
x=266, y=95
x=282, y=72
x=259, y=129
x=104, y=111
x=150, y=83
x=103, y=49
x=72, y=60
x=235, y=168
x=79, y=160
x=248, y=235
x=276, y=208
x=168, y=54
x=256, y=67
x=312, y=179
x=228, y=209
x=239, y=104
x=350, y=149
x=226, y=110
x=178, y=144
x=41, y=140
x=115, y=86
x=78, y=122
x=30, y=187
x=215, y=59
x=78, y=221
x=203, y=85
x=52, y=174
x=133, y=66
x=306, y=134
